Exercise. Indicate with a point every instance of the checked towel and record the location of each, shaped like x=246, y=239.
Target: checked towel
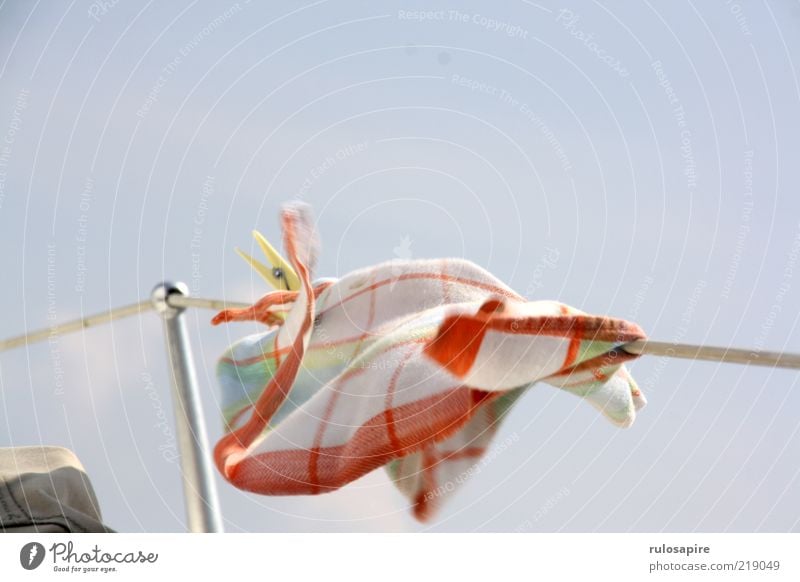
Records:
x=409, y=365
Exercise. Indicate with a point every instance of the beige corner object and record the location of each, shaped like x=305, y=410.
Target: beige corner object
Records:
x=46, y=490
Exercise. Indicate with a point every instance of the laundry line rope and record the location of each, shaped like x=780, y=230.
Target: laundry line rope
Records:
x=97, y=319
x=640, y=347
x=714, y=354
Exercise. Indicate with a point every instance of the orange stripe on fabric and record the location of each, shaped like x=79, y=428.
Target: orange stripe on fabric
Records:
x=276, y=352
x=427, y=493
x=313, y=459
x=370, y=321
x=465, y=453
x=593, y=327
x=389, y=400
x=259, y=311
x=445, y=283
x=575, y=342
x=457, y=344
x=286, y=472
x=431, y=276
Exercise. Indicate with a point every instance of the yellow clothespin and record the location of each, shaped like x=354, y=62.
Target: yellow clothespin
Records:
x=278, y=273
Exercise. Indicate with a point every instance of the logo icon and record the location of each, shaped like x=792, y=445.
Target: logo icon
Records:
x=31, y=555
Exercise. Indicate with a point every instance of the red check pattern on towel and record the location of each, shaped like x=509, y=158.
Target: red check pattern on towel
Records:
x=410, y=365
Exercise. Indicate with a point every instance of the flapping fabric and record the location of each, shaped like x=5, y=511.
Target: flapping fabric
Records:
x=410, y=365
x=294, y=334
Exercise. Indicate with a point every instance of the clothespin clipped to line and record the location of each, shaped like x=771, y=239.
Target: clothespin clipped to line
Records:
x=279, y=273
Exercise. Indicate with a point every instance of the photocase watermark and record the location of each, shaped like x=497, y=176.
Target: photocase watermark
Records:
x=450, y=485
x=168, y=448
x=100, y=8
x=477, y=86
x=318, y=171
x=323, y=337
x=783, y=290
x=67, y=559
x=640, y=295
x=687, y=152
x=548, y=260
x=543, y=510
x=169, y=69
x=638, y=301
x=680, y=333
x=198, y=223
x=475, y=18
x=489, y=23
x=744, y=225
x=32, y=555
x=569, y=22
x=527, y=112
x=20, y=105
x=85, y=204
x=382, y=364
x=738, y=14
x=54, y=339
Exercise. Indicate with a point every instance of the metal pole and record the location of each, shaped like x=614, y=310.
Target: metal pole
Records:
x=199, y=489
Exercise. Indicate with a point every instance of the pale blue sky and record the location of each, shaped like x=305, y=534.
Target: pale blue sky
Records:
x=650, y=147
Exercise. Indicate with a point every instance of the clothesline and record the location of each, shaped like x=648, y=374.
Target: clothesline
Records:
x=177, y=301
x=640, y=347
